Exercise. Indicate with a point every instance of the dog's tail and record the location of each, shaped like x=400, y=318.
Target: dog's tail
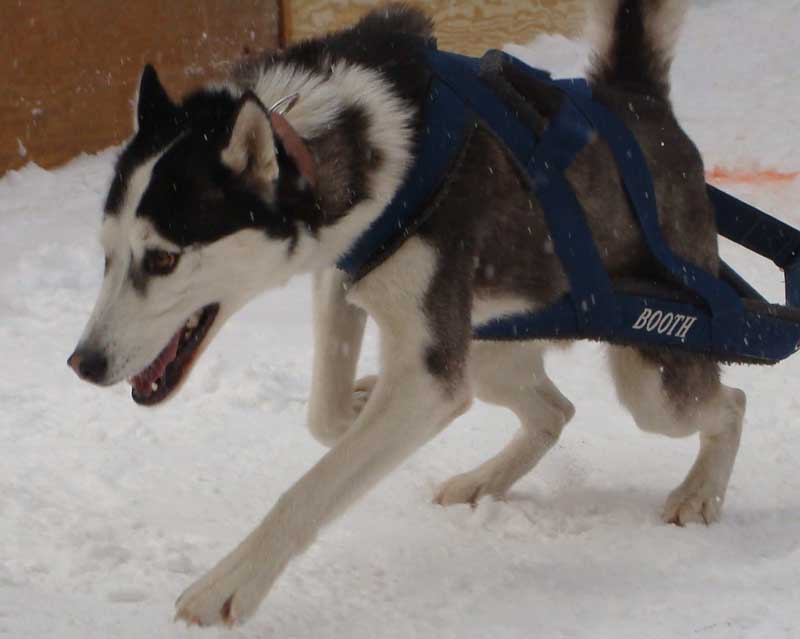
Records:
x=633, y=42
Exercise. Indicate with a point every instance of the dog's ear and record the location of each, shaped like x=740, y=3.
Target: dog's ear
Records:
x=262, y=145
x=251, y=150
x=153, y=104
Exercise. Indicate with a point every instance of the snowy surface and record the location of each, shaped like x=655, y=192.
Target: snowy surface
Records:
x=107, y=510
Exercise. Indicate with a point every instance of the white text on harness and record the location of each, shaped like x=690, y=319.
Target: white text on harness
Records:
x=672, y=324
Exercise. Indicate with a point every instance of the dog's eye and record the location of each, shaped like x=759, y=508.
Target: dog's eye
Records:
x=160, y=262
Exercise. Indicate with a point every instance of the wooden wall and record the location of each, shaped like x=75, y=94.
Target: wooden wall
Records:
x=69, y=68
x=466, y=26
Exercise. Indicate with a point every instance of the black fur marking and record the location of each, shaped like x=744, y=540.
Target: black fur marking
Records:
x=345, y=161
x=160, y=122
x=193, y=198
x=437, y=361
x=397, y=17
x=449, y=225
x=363, y=159
x=154, y=104
x=144, y=145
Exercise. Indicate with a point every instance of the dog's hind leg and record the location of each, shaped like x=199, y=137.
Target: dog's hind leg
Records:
x=677, y=394
x=511, y=375
x=338, y=331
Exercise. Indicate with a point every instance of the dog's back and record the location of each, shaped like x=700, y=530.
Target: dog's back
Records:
x=505, y=225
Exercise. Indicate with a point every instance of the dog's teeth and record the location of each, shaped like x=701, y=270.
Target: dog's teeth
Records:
x=154, y=386
x=194, y=320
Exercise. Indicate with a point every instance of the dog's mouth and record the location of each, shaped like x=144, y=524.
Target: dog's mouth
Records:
x=166, y=372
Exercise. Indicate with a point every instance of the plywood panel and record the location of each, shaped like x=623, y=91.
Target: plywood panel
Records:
x=68, y=69
x=466, y=26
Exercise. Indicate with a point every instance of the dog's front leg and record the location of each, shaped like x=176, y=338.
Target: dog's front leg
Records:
x=338, y=331
x=408, y=407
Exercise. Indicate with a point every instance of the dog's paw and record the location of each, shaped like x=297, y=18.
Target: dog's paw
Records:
x=467, y=488
x=226, y=596
x=693, y=503
x=362, y=389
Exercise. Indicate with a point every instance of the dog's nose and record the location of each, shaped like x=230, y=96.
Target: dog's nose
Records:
x=89, y=366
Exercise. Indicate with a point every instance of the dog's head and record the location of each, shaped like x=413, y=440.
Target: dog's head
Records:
x=208, y=207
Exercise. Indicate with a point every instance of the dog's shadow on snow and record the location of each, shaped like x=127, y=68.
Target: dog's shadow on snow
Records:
x=746, y=533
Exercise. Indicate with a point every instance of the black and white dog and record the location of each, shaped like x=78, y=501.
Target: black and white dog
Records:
x=243, y=185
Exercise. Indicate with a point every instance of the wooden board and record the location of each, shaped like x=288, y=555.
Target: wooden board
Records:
x=466, y=26
x=69, y=69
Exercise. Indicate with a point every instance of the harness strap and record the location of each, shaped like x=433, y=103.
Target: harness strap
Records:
x=761, y=233
x=570, y=130
x=590, y=287
x=754, y=229
x=462, y=75
x=723, y=301
x=544, y=161
x=447, y=126
x=458, y=98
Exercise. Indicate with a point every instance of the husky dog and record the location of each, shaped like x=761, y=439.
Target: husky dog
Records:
x=277, y=172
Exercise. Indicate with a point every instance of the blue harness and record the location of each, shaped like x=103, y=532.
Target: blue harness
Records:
x=722, y=316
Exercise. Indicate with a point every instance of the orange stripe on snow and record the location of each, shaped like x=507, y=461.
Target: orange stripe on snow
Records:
x=769, y=176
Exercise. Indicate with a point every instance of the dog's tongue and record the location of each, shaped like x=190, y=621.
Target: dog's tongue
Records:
x=143, y=382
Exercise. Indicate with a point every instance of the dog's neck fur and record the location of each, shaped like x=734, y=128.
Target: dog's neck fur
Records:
x=360, y=133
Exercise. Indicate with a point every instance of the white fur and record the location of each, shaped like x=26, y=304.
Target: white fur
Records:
x=131, y=327
x=485, y=309
x=252, y=141
x=325, y=96
x=390, y=428
x=121, y=327
x=336, y=400
x=512, y=375
x=338, y=331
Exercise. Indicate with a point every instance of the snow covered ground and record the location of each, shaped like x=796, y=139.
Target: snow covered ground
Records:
x=107, y=510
